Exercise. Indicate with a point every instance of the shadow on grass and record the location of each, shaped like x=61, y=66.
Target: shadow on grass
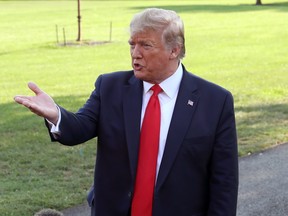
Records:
x=266, y=113
x=261, y=126
x=217, y=8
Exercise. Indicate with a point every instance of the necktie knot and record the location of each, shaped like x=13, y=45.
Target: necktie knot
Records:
x=156, y=89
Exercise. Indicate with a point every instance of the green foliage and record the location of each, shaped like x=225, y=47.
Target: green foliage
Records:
x=235, y=44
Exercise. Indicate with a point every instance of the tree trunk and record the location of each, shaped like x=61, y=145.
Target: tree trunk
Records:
x=258, y=2
x=79, y=22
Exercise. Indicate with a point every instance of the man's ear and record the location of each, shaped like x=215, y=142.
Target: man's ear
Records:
x=175, y=51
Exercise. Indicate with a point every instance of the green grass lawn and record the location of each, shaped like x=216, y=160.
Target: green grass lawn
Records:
x=233, y=43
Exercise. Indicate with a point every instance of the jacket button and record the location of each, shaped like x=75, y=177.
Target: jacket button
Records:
x=129, y=194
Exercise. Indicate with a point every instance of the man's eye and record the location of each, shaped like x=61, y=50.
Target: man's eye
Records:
x=147, y=46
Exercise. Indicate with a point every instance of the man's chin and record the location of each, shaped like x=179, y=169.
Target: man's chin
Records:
x=140, y=75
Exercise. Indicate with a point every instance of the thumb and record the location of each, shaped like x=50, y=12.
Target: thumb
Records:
x=34, y=88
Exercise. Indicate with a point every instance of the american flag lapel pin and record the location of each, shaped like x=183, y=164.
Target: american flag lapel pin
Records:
x=190, y=103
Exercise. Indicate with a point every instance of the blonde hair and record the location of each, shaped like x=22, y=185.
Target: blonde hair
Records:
x=161, y=20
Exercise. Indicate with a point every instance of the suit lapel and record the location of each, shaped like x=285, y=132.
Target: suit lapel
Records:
x=182, y=115
x=132, y=105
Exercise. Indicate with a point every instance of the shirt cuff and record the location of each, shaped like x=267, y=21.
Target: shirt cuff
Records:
x=54, y=129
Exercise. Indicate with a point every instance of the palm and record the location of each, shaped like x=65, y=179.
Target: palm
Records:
x=41, y=104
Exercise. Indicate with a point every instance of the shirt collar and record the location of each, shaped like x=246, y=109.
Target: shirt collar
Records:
x=170, y=85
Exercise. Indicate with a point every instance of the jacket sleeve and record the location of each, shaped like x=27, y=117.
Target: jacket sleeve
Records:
x=79, y=127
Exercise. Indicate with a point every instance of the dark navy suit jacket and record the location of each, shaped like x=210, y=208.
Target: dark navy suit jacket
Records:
x=198, y=175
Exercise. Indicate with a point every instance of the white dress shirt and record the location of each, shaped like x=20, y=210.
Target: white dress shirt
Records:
x=167, y=99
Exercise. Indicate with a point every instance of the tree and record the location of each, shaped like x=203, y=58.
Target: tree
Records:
x=258, y=2
x=79, y=22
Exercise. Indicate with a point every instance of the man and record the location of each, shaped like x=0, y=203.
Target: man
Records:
x=195, y=167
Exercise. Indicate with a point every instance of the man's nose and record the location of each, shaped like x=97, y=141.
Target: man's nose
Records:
x=136, y=52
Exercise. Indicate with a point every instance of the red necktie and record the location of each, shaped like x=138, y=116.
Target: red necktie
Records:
x=147, y=160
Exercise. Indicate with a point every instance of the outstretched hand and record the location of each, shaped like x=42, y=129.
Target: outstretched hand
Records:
x=41, y=104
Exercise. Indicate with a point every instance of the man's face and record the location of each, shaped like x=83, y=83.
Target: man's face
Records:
x=151, y=59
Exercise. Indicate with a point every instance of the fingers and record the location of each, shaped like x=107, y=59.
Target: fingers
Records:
x=20, y=99
x=24, y=100
x=34, y=88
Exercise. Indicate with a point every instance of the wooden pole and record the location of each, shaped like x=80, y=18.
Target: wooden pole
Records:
x=79, y=22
